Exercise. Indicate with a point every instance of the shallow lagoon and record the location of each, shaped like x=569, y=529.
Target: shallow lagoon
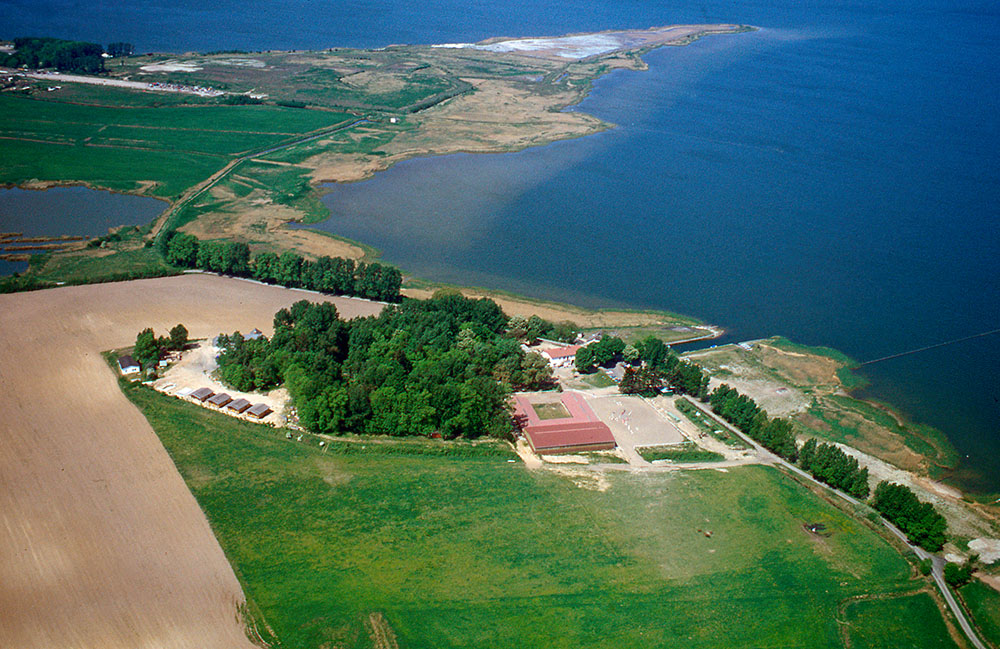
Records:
x=70, y=211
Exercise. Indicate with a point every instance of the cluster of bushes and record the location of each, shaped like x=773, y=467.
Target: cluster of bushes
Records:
x=441, y=366
x=65, y=56
x=240, y=100
x=921, y=523
x=326, y=274
x=827, y=463
x=960, y=574
x=741, y=411
x=149, y=349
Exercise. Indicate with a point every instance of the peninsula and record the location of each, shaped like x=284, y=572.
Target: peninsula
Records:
x=237, y=142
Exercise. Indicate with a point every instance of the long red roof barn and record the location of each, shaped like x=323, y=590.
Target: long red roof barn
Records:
x=580, y=431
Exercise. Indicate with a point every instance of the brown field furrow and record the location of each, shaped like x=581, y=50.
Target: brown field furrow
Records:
x=101, y=543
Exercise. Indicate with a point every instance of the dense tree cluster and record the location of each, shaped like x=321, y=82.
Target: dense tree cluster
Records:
x=921, y=523
x=326, y=274
x=960, y=574
x=65, y=56
x=444, y=365
x=741, y=411
x=642, y=380
x=660, y=366
x=602, y=352
x=827, y=463
x=683, y=376
x=533, y=328
x=149, y=349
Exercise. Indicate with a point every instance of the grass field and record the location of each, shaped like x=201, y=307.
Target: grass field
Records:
x=456, y=551
x=687, y=452
x=88, y=268
x=550, y=410
x=921, y=625
x=175, y=146
x=984, y=604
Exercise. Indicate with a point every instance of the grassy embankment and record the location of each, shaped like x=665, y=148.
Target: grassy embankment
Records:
x=464, y=548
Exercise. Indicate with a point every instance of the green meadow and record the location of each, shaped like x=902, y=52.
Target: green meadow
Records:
x=924, y=629
x=455, y=545
x=984, y=604
x=112, y=146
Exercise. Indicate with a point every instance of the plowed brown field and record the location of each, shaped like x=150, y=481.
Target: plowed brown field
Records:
x=101, y=543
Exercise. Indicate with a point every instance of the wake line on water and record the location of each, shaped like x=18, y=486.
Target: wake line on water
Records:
x=934, y=346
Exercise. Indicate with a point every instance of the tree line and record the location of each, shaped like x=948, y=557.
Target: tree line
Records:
x=828, y=463
x=65, y=56
x=120, y=48
x=326, y=274
x=444, y=366
x=921, y=522
x=744, y=413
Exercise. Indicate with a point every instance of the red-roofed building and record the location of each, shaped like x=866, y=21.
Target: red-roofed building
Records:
x=580, y=431
x=560, y=356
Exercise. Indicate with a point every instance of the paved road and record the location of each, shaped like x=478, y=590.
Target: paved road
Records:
x=938, y=563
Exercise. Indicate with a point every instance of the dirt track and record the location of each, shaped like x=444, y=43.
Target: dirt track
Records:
x=101, y=543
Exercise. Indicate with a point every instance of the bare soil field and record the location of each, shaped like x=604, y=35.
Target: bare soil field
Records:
x=101, y=543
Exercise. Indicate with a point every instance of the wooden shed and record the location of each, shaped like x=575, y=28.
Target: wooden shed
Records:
x=260, y=411
x=238, y=405
x=201, y=394
x=220, y=399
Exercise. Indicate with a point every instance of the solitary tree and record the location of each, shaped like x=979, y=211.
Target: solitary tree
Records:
x=146, y=351
x=178, y=337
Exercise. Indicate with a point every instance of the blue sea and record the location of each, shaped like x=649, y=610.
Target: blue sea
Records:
x=833, y=177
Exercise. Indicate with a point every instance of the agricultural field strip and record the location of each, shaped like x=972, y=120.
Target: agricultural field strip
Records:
x=106, y=546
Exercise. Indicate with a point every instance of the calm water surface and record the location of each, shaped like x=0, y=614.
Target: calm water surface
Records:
x=70, y=211
x=833, y=177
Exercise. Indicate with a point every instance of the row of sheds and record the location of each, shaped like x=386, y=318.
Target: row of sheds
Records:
x=222, y=400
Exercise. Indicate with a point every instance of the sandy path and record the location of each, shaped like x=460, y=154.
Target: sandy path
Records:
x=101, y=543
